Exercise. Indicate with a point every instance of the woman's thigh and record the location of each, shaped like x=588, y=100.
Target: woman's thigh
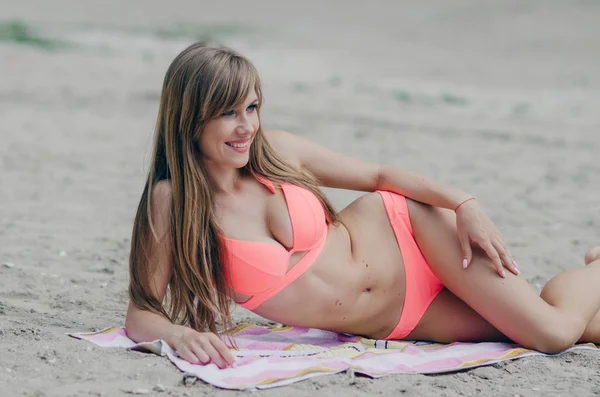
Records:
x=449, y=319
x=508, y=304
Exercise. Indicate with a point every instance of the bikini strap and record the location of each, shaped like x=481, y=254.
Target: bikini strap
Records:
x=265, y=182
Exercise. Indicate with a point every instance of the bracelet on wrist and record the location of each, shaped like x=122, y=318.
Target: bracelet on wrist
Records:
x=462, y=202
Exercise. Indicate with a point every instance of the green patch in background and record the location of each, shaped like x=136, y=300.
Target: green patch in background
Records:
x=210, y=33
x=27, y=34
x=454, y=100
x=20, y=33
x=521, y=109
x=335, y=81
x=300, y=87
x=409, y=98
x=403, y=96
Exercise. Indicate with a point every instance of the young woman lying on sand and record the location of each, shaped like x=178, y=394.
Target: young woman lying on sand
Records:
x=234, y=213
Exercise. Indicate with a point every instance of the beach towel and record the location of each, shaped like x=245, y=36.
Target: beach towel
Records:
x=275, y=356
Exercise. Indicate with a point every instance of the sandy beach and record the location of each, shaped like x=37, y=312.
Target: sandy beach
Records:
x=498, y=98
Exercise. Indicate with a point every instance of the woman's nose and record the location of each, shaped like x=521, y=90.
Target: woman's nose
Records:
x=245, y=125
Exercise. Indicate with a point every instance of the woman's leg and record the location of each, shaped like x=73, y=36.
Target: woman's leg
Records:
x=592, y=332
x=448, y=319
x=592, y=255
x=551, y=322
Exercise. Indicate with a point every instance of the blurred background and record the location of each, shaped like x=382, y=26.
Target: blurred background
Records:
x=498, y=98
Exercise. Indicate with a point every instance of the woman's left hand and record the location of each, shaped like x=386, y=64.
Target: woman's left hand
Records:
x=475, y=226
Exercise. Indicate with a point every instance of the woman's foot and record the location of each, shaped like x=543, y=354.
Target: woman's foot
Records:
x=592, y=255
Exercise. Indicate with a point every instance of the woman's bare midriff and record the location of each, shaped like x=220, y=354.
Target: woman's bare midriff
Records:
x=356, y=285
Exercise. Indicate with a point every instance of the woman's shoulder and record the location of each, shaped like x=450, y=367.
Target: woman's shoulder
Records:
x=285, y=144
x=277, y=138
x=161, y=197
x=162, y=190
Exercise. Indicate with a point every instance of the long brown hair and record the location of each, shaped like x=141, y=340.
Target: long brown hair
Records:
x=201, y=83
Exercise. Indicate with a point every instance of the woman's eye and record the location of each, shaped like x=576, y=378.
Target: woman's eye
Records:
x=252, y=108
x=229, y=113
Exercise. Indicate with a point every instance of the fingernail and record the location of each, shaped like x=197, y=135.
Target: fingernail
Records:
x=503, y=274
x=464, y=263
x=517, y=270
x=515, y=263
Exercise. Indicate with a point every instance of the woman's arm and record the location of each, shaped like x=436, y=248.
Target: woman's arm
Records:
x=143, y=325
x=419, y=188
x=339, y=171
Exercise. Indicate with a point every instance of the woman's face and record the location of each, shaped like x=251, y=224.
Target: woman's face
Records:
x=225, y=141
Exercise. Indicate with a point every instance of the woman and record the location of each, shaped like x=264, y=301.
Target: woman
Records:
x=234, y=213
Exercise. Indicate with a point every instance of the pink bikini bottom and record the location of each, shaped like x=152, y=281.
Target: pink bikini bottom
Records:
x=422, y=286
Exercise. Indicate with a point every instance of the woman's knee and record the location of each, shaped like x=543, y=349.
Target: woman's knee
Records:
x=556, y=336
x=554, y=341
x=560, y=332
x=592, y=255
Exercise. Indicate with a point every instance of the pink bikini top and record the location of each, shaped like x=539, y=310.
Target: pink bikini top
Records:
x=261, y=269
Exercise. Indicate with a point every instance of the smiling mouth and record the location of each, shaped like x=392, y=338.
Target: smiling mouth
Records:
x=239, y=145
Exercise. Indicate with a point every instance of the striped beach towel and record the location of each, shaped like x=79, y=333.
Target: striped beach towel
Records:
x=270, y=357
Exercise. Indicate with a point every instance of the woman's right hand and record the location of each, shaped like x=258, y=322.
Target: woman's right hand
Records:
x=201, y=347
